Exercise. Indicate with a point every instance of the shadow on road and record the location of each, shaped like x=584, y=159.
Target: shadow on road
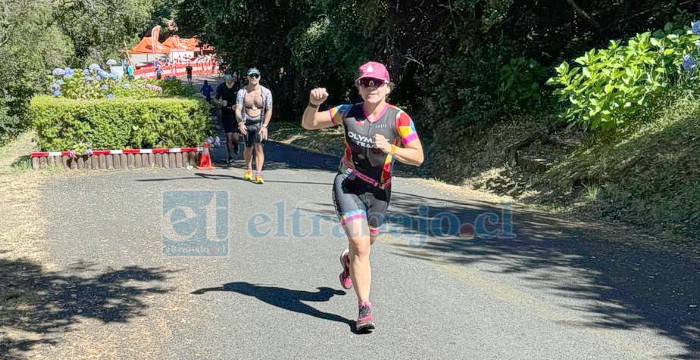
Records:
x=36, y=306
x=278, y=156
x=210, y=176
x=624, y=284
x=286, y=299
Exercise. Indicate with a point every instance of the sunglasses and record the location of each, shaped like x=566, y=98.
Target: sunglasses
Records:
x=369, y=82
x=255, y=76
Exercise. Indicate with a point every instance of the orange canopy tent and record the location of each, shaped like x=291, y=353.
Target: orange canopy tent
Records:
x=145, y=46
x=173, y=43
x=192, y=43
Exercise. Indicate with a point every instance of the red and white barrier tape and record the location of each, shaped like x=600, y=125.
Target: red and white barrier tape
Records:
x=118, y=152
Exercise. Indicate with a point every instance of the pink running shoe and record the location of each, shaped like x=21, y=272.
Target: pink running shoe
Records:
x=345, y=280
x=365, y=321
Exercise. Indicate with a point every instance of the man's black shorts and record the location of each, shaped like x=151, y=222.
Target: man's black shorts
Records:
x=254, y=136
x=228, y=120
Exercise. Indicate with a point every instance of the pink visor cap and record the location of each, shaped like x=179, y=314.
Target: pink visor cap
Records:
x=373, y=70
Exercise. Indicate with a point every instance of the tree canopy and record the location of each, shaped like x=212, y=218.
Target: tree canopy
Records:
x=463, y=62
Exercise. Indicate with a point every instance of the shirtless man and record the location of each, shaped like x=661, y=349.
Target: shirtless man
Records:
x=253, y=113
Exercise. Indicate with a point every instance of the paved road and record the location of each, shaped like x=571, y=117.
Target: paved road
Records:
x=549, y=293
x=519, y=286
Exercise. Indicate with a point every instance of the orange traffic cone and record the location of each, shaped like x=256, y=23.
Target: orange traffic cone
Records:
x=205, y=161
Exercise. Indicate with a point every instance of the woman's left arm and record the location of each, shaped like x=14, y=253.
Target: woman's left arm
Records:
x=410, y=154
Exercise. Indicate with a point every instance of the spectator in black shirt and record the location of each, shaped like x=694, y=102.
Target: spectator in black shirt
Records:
x=188, y=70
x=226, y=95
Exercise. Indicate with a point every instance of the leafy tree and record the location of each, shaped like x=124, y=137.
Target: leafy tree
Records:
x=29, y=44
x=98, y=28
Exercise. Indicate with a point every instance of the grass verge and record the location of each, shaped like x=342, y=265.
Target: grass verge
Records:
x=327, y=142
x=642, y=176
x=20, y=240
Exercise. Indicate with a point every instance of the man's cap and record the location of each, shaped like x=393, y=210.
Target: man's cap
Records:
x=227, y=77
x=373, y=70
x=253, y=71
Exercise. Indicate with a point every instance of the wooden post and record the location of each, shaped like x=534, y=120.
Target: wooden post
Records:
x=110, y=161
x=137, y=160
x=151, y=159
x=178, y=159
x=130, y=161
x=171, y=160
x=117, y=161
x=103, y=162
x=123, y=161
x=159, y=160
x=65, y=162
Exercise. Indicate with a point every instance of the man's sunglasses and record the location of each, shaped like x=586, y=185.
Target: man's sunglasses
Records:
x=369, y=82
x=254, y=76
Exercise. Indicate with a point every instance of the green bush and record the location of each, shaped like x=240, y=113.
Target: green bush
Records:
x=119, y=123
x=624, y=82
x=175, y=87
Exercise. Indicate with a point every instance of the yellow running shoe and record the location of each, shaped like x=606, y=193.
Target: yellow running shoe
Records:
x=258, y=179
x=248, y=175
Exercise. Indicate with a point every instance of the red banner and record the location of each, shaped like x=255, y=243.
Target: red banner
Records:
x=203, y=68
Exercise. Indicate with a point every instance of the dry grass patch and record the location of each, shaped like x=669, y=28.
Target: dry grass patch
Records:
x=326, y=142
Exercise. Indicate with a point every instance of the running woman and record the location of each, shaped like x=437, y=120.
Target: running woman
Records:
x=376, y=134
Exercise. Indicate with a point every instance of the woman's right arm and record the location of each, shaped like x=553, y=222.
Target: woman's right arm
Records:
x=312, y=119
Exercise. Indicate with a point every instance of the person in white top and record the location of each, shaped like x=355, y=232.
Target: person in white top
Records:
x=253, y=113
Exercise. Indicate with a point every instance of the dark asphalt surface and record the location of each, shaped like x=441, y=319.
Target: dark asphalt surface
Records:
x=549, y=293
